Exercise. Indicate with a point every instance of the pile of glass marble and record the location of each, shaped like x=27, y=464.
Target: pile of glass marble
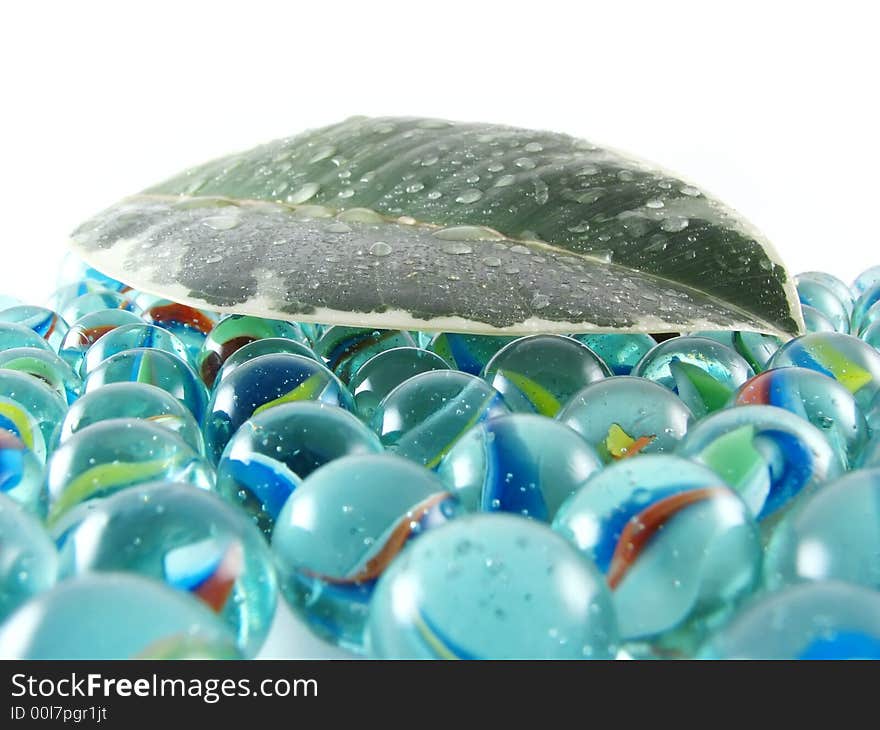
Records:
x=167, y=473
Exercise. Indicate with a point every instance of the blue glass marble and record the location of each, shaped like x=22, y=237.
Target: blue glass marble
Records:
x=812, y=621
x=154, y=367
x=491, y=586
x=826, y=301
x=132, y=337
x=678, y=548
x=524, y=464
x=270, y=454
x=625, y=415
x=26, y=401
x=113, y=455
x=67, y=293
x=345, y=349
x=383, y=372
x=190, y=325
x=87, y=331
x=815, y=321
x=756, y=348
x=22, y=477
x=867, y=299
x=234, y=332
x=704, y=373
x=267, y=346
x=770, y=456
x=17, y=335
x=853, y=363
x=620, y=352
x=871, y=334
x=831, y=282
x=424, y=416
x=342, y=527
x=263, y=383
x=816, y=398
x=869, y=318
x=44, y=322
x=115, y=616
x=541, y=373
x=74, y=270
x=468, y=353
x=188, y=538
x=133, y=400
x=94, y=302
x=46, y=366
x=28, y=560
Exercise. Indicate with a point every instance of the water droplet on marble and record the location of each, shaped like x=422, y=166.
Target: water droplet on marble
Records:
x=434, y=195
x=304, y=194
x=380, y=248
x=690, y=190
x=542, y=192
x=492, y=261
x=339, y=227
x=347, y=193
x=674, y=224
x=655, y=203
x=469, y=196
x=540, y=301
x=495, y=167
x=534, y=147
x=525, y=163
x=415, y=187
x=456, y=248
x=360, y=215
x=520, y=249
x=504, y=181
x=222, y=222
x=468, y=233
x=322, y=153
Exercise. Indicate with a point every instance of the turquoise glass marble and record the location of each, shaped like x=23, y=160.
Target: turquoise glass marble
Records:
x=345, y=349
x=853, y=363
x=491, y=586
x=188, y=538
x=831, y=282
x=25, y=402
x=770, y=456
x=75, y=271
x=522, y=463
x=816, y=398
x=28, y=560
x=133, y=400
x=342, y=527
x=67, y=293
x=115, y=616
x=383, y=372
x=866, y=300
x=624, y=416
x=267, y=346
x=866, y=280
x=828, y=620
x=46, y=366
x=190, y=325
x=22, y=477
x=871, y=334
x=815, y=321
x=678, y=548
x=17, y=335
x=468, y=353
x=620, y=352
x=423, y=417
x=154, y=367
x=94, y=302
x=234, y=332
x=702, y=372
x=756, y=348
x=826, y=301
x=263, y=383
x=541, y=373
x=869, y=318
x=270, y=454
x=87, y=331
x=113, y=455
x=44, y=322
x=132, y=337
x=833, y=535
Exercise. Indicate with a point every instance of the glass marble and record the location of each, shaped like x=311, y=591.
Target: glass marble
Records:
x=342, y=527
x=46, y=323
x=620, y=352
x=133, y=400
x=261, y=384
x=827, y=620
x=25, y=402
x=28, y=560
x=87, y=331
x=46, y=366
x=74, y=270
x=468, y=353
x=678, y=548
x=853, y=363
x=702, y=372
x=17, y=335
x=270, y=454
x=22, y=477
x=267, y=346
x=815, y=321
x=113, y=455
x=871, y=334
x=866, y=280
x=67, y=293
x=491, y=586
x=345, y=349
x=624, y=415
x=383, y=372
x=520, y=463
x=132, y=337
x=94, y=302
x=424, y=416
x=869, y=318
x=826, y=301
x=831, y=282
x=154, y=367
x=188, y=538
x=866, y=300
x=190, y=325
x=115, y=616
x=234, y=332
x=756, y=348
x=770, y=456
x=541, y=373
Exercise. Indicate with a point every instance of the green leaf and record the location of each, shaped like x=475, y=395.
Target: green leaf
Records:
x=431, y=225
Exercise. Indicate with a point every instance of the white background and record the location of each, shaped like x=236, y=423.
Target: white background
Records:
x=771, y=106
